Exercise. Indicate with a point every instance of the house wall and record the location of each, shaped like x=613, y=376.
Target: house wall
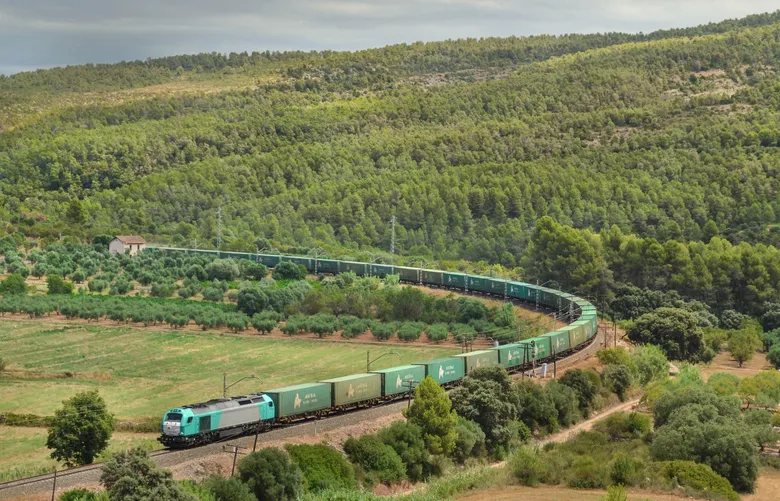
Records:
x=116, y=247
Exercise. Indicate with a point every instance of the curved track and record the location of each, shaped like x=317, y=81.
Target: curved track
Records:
x=85, y=475
x=582, y=332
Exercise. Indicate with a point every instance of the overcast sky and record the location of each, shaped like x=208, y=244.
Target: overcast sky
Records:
x=45, y=33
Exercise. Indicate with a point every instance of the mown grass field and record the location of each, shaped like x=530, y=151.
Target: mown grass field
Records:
x=25, y=452
x=143, y=373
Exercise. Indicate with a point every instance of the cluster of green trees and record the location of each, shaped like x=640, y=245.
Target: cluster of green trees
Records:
x=702, y=439
x=467, y=169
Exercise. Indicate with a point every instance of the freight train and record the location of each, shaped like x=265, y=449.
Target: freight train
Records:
x=202, y=423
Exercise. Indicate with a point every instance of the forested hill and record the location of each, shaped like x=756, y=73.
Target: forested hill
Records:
x=672, y=137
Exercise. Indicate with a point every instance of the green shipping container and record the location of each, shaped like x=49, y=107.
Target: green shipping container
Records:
x=396, y=379
x=300, y=399
x=477, y=359
x=577, y=334
x=541, y=348
x=407, y=274
x=430, y=277
x=454, y=280
x=444, y=370
x=559, y=341
x=356, y=388
x=511, y=355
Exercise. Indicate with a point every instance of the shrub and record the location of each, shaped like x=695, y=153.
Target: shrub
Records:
x=56, y=285
x=437, y=333
x=159, y=289
x=407, y=441
x=263, y=325
x=379, y=461
x=228, y=489
x=120, y=287
x=13, y=284
x=270, y=475
x=698, y=477
x=383, y=331
x=222, y=269
x=289, y=271
x=583, y=386
x=470, y=441
x=251, y=300
x=213, y=294
x=624, y=426
x=463, y=332
x=618, y=379
x=77, y=495
x=323, y=467
x=410, y=331
x=622, y=470
x=526, y=466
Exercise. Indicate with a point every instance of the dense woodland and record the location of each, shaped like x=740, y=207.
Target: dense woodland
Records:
x=654, y=156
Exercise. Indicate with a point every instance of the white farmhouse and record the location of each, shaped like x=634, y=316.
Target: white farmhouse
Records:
x=132, y=243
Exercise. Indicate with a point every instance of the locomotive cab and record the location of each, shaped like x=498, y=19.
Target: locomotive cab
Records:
x=179, y=422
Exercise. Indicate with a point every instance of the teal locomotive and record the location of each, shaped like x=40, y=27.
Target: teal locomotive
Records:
x=199, y=424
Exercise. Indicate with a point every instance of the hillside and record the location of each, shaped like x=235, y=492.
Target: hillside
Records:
x=671, y=136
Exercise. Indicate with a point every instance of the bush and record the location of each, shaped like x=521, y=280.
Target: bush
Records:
x=622, y=426
x=97, y=285
x=77, y=495
x=120, y=287
x=323, y=467
x=470, y=441
x=379, y=461
x=228, y=489
x=407, y=441
x=158, y=289
x=383, y=331
x=774, y=356
x=263, y=325
x=56, y=285
x=251, y=300
x=437, y=333
x=410, y=331
x=526, y=466
x=622, y=470
x=699, y=477
x=289, y=271
x=270, y=475
x=618, y=379
x=213, y=294
x=579, y=381
x=13, y=284
x=222, y=269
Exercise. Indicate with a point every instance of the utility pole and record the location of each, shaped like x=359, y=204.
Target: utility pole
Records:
x=392, y=236
x=536, y=295
x=235, y=452
x=219, y=227
x=54, y=484
x=410, y=392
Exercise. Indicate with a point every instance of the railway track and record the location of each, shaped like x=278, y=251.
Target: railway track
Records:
x=38, y=485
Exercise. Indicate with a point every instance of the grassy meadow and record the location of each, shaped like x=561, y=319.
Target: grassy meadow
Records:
x=143, y=373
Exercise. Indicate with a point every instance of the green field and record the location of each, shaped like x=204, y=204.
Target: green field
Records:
x=142, y=373
x=25, y=452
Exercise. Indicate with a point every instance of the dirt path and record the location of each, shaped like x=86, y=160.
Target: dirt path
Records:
x=588, y=423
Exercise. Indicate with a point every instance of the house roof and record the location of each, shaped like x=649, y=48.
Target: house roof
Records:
x=131, y=239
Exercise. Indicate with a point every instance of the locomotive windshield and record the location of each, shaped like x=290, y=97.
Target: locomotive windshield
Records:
x=173, y=416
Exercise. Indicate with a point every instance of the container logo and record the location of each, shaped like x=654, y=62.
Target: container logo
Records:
x=536, y=350
x=297, y=403
x=557, y=344
x=441, y=371
x=398, y=382
x=478, y=364
x=350, y=392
